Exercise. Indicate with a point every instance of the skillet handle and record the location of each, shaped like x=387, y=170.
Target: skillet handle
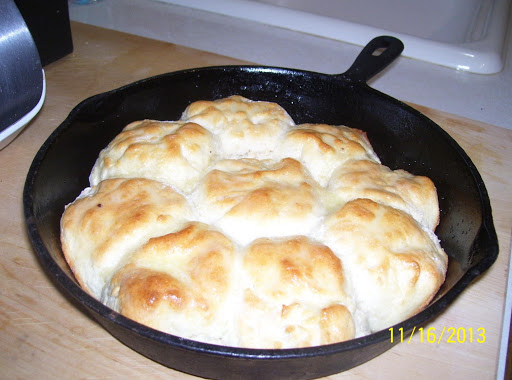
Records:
x=374, y=57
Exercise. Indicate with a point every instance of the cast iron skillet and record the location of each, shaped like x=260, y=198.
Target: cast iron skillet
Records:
x=402, y=137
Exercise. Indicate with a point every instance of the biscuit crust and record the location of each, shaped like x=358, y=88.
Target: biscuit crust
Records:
x=235, y=226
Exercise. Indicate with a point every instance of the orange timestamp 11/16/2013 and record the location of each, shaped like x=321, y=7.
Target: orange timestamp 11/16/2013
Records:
x=448, y=335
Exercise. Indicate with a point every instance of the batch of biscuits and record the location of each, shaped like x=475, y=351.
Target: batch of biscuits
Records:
x=235, y=226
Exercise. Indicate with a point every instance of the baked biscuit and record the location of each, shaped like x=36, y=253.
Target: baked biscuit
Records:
x=415, y=195
x=324, y=148
x=249, y=198
x=109, y=221
x=175, y=153
x=180, y=283
x=294, y=295
x=394, y=266
x=245, y=128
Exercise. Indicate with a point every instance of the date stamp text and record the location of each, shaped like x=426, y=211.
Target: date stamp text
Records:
x=448, y=335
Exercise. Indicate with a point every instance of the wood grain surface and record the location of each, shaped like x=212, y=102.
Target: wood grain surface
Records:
x=44, y=336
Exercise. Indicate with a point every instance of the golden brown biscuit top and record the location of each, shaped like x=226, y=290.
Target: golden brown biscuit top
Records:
x=394, y=265
x=245, y=128
x=177, y=282
x=294, y=295
x=279, y=269
x=175, y=153
x=324, y=148
x=112, y=219
x=250, y=198
x=415, y=195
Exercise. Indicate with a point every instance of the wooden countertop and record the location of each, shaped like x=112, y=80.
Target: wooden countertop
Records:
x=44, y=336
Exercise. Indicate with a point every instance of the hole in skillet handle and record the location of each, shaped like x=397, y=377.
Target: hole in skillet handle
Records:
x=374, y=57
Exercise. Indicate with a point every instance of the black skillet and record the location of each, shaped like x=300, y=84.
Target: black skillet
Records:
x=401, y=136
